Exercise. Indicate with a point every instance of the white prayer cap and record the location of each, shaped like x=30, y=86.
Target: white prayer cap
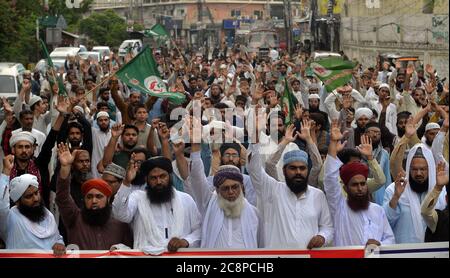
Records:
x=20, y=184
x=79, y=108
x=430, y=126
x=383, y=85
x=33, y=100
x=313, y=96
x=22, y=136
x=102, y=114
x=223, y=66
x=363, y=112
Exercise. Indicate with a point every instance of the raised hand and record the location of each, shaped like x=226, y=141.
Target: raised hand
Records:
x=365, y=148
x=8, y=164
x=430, y=87
x=441, y=175
x=400, y=184
x=410, y=129
x=178, y=148
x=289, y=136
x=132, y=169
x=347, y=101
x=305, y=131
x=163, y=131
x=117, y=130
x=65, y=157
x=335, y=131
x=298, y=112
x=63, y=105
x=6, y=105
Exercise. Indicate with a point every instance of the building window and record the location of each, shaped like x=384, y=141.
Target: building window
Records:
x=235, y=13
x=258, y=14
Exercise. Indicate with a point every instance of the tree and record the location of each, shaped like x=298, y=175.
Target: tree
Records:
x=104, y=28
x=18, y=26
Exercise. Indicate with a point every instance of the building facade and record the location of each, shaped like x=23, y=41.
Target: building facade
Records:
x=205, y=22
x=413, y=27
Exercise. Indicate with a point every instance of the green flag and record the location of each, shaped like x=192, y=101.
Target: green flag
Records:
x=62, y=88
x=333, y=72
x=141, y=73
x=158, y=32
x=287, y=103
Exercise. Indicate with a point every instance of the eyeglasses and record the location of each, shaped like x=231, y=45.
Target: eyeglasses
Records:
x=228, y=155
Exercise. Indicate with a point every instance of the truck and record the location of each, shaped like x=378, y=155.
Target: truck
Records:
x=261, y=38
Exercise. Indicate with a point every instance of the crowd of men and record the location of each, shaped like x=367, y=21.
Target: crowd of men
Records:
x=105, y=167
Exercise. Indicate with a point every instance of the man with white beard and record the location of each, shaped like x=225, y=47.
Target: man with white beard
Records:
x=229, y=220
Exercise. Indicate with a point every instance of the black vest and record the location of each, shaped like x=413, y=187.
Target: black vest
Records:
x=441, y=233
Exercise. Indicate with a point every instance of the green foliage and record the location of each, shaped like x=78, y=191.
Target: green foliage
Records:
x=18, y=26
x=104, y=28
x=138, y=27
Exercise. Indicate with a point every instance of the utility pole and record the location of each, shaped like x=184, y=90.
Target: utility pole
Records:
x=313, y=11
x=288, y=23
x=330, y=22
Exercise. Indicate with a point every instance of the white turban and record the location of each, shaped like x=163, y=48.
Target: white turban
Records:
x=20, y=184
x=102, y=114
x=363, y=112
x=22, y=136
x=79, y=109
x=384, y=85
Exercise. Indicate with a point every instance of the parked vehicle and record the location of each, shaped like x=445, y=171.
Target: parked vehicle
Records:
x=105, y=51
x=127, y=46
x=11, y=76
x=96, y=56
x=61, y=53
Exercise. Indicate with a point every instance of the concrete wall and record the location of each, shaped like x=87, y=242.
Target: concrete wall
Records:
x=398, y=27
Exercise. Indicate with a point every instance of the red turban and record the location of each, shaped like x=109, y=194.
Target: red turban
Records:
x=352, y=169
x=98, y=184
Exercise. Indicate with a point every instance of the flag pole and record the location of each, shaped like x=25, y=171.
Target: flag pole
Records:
x=99, y=84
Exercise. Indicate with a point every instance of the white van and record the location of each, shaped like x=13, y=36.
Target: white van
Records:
x=60, y=53
x=104, y=50
x=130, y=45
x=11, y=76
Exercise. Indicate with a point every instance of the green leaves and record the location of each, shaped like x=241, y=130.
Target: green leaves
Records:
x=104, y=28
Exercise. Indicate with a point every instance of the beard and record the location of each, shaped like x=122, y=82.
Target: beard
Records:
x=34, y=214
x=418, y=187
x=96, y=217
x=358, y=203
x=313, y=109
x=278, y=136
x=160, y=194
x=129, y=146
x=81, y=177
x=75, y=143
x=231, y=209
x=297, y=186
x=375, y=144
x=428, y=142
